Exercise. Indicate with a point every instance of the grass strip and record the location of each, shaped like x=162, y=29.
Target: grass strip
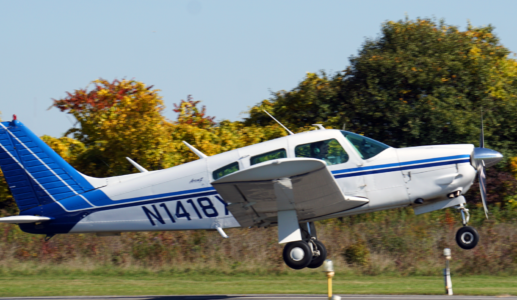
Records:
x=11, y=286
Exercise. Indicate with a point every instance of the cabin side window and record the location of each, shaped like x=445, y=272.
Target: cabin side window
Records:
x=280, y=153
x=330, y=151
x=228, y=169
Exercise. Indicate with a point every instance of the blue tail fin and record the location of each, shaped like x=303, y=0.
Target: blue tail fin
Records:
x=36, y=175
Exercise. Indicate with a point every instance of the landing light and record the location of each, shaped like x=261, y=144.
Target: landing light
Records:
x=454, y=194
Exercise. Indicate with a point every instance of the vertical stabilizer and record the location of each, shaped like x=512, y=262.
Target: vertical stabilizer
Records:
x=35, y=174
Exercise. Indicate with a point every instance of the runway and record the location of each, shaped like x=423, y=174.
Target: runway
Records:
x=272, y=297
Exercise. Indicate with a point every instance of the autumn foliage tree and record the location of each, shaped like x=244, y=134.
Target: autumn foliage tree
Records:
x=200, y=130
x=124, y=118
x=6, y=198
x=116, y=120
x=189, y=113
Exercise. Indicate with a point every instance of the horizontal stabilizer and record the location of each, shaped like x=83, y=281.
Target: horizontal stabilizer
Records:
x=24, y=219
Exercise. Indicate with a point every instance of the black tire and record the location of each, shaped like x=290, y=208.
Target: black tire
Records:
x=317, y=261
x=297, y=255
x=467, y=237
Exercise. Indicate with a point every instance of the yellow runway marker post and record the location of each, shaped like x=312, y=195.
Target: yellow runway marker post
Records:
x=329, y=269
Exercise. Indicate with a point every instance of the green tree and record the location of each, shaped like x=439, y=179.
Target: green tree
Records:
x=420, y=82
x=313, y=101
x=423, y=82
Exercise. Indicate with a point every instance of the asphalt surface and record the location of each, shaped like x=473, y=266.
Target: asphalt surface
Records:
x=272, y=297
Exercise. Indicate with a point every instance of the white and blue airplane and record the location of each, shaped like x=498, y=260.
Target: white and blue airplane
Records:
x=289, y=182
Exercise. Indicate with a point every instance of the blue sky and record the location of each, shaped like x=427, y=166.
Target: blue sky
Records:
x=229, y=54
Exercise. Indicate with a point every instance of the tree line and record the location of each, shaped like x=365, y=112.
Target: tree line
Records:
x=419, y=82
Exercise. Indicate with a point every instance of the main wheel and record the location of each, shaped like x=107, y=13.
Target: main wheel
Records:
x=317, y=261
x=467, y=237
x=297, y=255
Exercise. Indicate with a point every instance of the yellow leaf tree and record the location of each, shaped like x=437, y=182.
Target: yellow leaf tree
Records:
x=116, y=120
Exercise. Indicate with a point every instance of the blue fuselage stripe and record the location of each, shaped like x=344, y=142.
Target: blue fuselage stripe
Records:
x=400, y=164
x=161, y=198
x=100, y=199
x=402, y=168
x=103, y=201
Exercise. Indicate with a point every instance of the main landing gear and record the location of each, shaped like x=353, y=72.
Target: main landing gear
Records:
x=308, y=253
x=467, y=237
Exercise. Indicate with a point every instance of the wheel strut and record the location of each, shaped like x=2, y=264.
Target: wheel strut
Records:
x=465, y=215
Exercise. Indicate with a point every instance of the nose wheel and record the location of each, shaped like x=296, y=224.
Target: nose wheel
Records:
x=466, y=237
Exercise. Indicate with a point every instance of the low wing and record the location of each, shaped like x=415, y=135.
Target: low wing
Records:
x=304, y=185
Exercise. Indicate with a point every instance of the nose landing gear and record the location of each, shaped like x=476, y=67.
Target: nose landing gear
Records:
x=466, y=237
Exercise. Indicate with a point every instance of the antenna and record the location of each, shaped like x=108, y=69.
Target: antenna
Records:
x=197, y=152
x=279, y=122
x=319, y=126
x=482, y=135
x=139, y=167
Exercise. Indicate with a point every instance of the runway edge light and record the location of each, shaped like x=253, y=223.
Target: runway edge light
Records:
x=447, y=272
x=328, y=267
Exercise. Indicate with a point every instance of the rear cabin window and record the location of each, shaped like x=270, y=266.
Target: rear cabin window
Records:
x=280, y=153
x=330, y=151
x=228, y=169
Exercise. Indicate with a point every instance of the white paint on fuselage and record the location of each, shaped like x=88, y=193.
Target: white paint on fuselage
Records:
x=385, y=190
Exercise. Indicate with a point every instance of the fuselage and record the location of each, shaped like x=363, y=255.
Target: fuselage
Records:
x=182, y=197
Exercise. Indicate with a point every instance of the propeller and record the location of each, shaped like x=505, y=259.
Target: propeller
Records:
x=482, y=186
x=481, y=170
x=484, y=157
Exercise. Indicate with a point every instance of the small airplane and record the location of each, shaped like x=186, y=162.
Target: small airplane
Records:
x=289, y=182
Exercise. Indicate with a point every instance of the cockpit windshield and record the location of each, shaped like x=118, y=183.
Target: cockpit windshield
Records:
x=366, y=147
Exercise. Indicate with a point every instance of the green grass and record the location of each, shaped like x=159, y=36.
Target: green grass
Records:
x=48, y=285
